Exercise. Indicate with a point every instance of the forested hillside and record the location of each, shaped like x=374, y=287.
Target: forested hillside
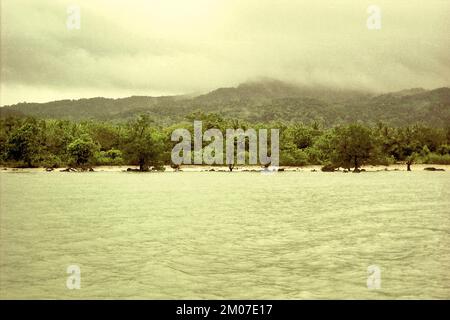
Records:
x=262, y=101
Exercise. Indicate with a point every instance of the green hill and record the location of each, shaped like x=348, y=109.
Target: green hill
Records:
x=261, y=101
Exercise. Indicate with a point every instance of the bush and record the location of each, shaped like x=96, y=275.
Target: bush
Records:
x=82, y=150
x=293, y=157
x=434, y=158
x=444, y=149
x=111, y=157
x=51, y=161
x=15, y=164
x=384, y=160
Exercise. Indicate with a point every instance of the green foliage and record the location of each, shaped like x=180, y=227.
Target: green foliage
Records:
x=110, y=157
x=51, y=161
x=290, y=155
x=352, y=146
x=144, y=144
x=259, y=102
x=444, y=149
x=434, y=158
x=26, y=142
x=23, y=143
x=82, y=150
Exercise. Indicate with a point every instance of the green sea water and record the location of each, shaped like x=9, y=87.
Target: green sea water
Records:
x=212, y=235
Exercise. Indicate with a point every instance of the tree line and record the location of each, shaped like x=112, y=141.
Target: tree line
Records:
x=32, y=142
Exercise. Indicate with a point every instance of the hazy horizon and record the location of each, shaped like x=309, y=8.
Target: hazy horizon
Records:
x=196, y=94
x=156, y=48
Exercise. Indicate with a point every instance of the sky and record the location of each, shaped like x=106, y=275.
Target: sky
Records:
x=163, y=47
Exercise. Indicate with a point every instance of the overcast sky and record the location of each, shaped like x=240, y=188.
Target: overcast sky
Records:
x=158, y=47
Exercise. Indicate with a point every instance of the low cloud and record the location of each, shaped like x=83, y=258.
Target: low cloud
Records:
x=169, y=47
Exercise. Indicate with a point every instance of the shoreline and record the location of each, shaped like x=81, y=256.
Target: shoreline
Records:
x=243, y=168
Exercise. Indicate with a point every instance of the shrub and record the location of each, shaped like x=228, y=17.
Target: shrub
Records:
x=293, y=157
x=51, y=161
x=110, y=157
x=82, y=150
x=434, y=158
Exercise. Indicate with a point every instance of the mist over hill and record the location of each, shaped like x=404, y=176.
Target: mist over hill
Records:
x=260, y=101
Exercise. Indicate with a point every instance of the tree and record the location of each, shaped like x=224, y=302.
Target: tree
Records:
x=105, y=134
x=410, y=159
x=145, y=144
x=303, y=137
x=352, y=146
x=58, y=135
x=408, y=146
x=82, y=150
x=32, y=142
x=24, y=144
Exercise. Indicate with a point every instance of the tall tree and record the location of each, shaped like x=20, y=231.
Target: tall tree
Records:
x=24, y=142
x=145, y=144
x=352, y=146
x=82, y=150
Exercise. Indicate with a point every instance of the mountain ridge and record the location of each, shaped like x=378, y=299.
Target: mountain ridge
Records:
x=259, y=102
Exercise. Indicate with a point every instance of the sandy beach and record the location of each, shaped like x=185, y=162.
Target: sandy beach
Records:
x=208, y=168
